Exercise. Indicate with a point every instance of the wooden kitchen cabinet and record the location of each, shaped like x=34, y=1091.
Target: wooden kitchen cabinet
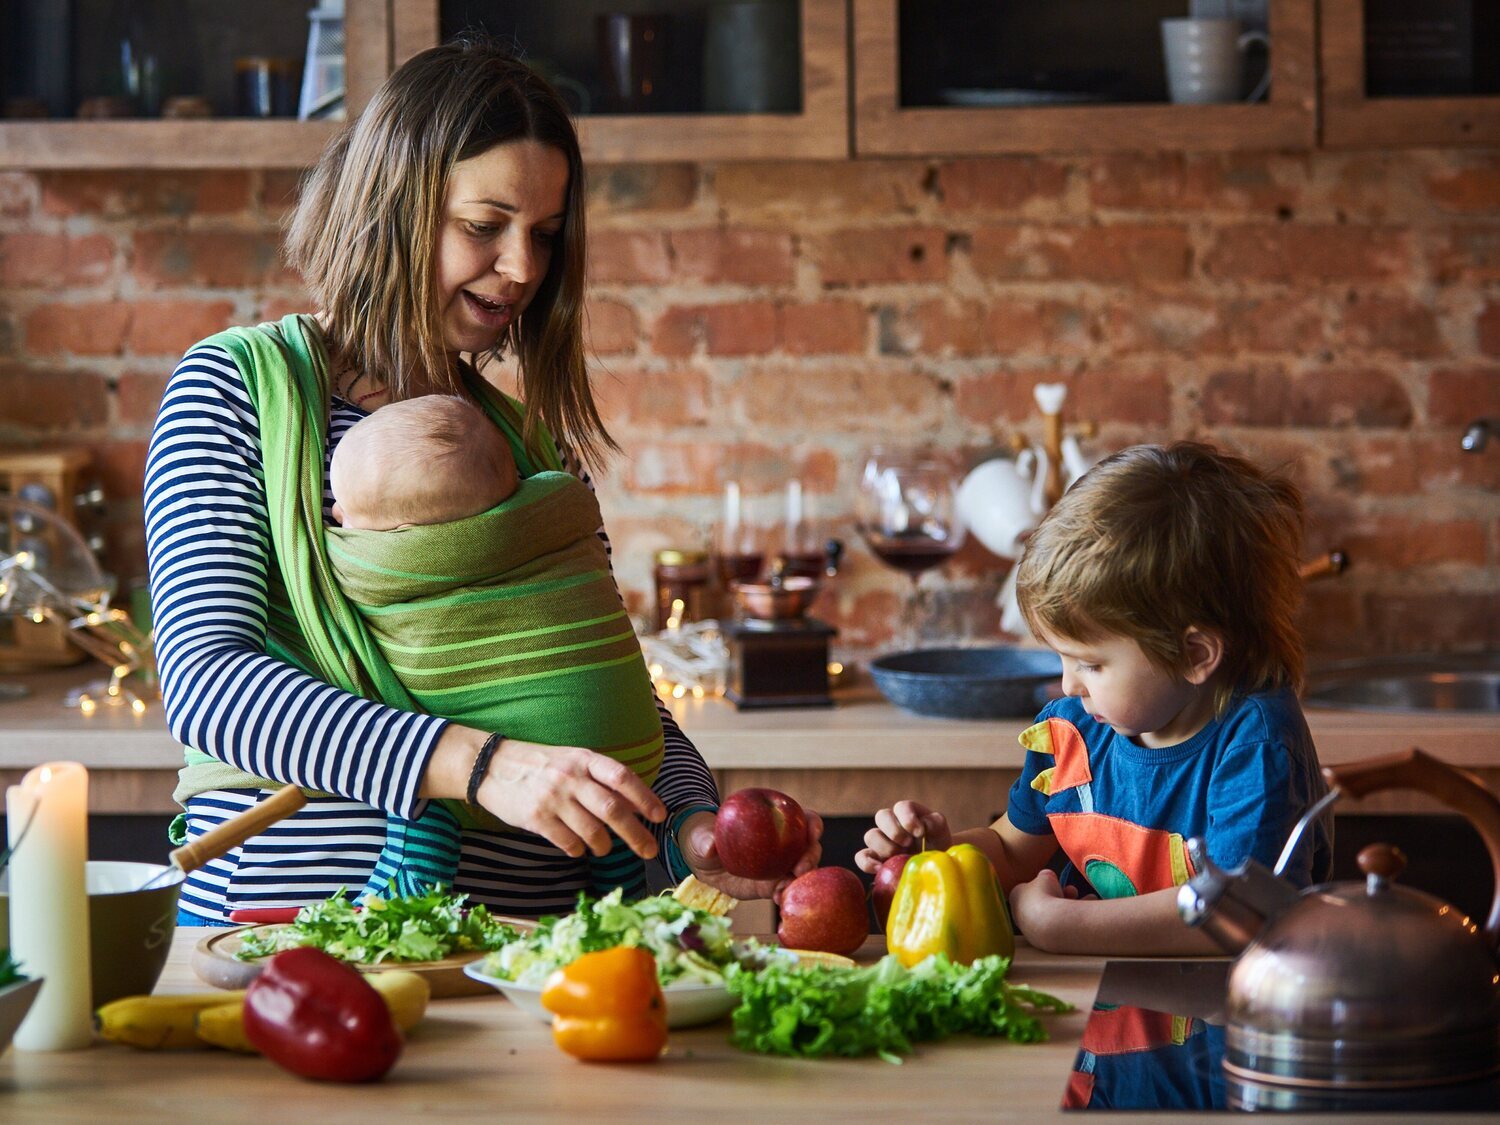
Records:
x=216, y=142
x=561, y=35
x=1353, y=118
x=889, y=122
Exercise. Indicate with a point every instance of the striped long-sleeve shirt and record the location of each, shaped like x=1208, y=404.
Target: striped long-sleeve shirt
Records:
x=210, y=556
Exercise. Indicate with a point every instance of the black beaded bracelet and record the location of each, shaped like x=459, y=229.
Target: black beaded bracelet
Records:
x=482, y=766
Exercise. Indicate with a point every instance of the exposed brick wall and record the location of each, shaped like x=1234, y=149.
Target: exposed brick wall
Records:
x=1338, y=313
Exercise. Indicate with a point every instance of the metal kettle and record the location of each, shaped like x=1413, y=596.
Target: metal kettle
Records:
x=1355, y=986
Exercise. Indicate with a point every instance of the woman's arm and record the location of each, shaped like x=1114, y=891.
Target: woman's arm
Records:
x=209, y=551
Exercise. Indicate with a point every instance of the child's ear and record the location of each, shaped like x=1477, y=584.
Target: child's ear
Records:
x=1203, y=651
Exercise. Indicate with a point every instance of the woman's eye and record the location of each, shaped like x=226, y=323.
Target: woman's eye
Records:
x=483, y=230
x=546, y=237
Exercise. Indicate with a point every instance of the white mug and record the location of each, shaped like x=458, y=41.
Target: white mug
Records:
x=1206, y=60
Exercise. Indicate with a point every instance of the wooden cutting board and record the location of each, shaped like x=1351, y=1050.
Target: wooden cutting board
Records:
x=215, y=963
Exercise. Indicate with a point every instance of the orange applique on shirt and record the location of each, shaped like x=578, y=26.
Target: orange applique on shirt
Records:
x=1120, y=858
x=1062, y=741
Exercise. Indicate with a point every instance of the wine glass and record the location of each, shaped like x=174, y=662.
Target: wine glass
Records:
x=907, y=513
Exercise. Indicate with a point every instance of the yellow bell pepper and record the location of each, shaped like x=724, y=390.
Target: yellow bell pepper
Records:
x=949, y=902
x=608, y=1006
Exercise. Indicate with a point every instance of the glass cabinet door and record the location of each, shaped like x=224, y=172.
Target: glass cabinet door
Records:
x=674, y=79
x=1401, y=73
x=183, y=82
x=940, y=76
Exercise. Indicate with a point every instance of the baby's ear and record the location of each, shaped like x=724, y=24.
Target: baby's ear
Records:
x=1203, y=651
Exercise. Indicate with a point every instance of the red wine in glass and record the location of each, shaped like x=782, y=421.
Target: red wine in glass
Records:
x=912, y=553
x=743, y=567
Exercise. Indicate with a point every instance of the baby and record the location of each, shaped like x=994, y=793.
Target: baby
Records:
x=1167, y=580
x=491, y=597
x=431, y=459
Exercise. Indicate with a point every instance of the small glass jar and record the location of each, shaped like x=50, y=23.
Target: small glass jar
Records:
x=681, y=576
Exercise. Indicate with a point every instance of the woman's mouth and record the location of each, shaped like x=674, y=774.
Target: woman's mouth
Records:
x=488, y=311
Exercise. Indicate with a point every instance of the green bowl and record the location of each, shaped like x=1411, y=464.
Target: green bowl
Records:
x=130, y=930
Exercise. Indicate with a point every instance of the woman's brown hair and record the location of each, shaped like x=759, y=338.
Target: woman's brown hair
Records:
x=364, y=233
x=1156, y=539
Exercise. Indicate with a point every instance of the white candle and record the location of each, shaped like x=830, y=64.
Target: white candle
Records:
x=732, y=506
x=49, y=903
x=794, y=503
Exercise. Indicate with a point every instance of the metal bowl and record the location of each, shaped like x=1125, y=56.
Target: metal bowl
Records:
x=782, y=600
x=968, y=683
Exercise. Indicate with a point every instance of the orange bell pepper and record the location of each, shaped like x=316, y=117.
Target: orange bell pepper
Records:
x=949, y=902
x=608, y=1006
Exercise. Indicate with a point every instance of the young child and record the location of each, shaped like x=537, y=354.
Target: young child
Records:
x=1167, y=580
x=489, y=596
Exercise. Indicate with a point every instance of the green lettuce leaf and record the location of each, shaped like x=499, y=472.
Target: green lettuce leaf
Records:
x=882, y=1009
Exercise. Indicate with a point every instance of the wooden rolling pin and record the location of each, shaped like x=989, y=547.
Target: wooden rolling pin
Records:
x=236, y=830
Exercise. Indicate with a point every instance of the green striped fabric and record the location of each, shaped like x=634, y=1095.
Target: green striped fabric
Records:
x=509, y=620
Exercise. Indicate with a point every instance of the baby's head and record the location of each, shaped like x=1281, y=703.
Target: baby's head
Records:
x=417, y=461
x=1156, y=540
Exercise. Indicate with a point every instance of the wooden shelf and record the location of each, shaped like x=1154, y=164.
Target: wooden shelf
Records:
x=820, y=131
x=1352, y=120
x=212, y=142
x=883, y=127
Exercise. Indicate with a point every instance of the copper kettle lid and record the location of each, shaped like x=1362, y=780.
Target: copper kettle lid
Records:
x=1372, y=984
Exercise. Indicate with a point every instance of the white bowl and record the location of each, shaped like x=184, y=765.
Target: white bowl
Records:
x=689, y=1003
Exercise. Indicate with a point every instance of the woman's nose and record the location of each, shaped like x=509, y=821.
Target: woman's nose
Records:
x=517, y=260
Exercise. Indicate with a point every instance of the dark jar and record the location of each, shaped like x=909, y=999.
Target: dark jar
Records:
x=681, y=576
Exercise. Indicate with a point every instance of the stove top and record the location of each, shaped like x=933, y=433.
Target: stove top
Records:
x=1155, y=1040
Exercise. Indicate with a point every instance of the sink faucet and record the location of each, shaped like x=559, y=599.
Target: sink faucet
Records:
x=1477, y=433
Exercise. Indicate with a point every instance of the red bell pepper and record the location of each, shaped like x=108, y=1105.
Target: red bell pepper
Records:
x=320, y=1018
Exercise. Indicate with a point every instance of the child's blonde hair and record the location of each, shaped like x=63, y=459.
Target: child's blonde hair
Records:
x=1155, y=539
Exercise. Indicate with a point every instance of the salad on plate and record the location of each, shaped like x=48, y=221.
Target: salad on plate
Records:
x=691, y=946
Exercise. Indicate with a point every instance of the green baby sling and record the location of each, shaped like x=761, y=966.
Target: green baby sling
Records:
x=494, y=680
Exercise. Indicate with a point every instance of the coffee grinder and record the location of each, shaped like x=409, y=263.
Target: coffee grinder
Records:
x=778, y=656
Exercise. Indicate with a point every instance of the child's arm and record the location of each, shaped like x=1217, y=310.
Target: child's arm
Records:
x=1142, y=926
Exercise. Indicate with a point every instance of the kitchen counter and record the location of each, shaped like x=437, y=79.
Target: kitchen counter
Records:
x=845, y=760
x=482, y=1057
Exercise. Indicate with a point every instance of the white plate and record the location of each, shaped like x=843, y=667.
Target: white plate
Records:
x=688, y=1004
x=1007, y=99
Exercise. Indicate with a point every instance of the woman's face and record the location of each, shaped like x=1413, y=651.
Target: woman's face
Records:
x=501, y=221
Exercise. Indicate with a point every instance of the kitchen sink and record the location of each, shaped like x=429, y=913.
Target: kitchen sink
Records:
x=1421, y=683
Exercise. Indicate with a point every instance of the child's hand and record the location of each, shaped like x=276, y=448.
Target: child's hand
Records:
x=898, y=829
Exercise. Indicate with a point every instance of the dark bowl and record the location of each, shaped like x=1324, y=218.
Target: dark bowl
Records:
x=968, y=683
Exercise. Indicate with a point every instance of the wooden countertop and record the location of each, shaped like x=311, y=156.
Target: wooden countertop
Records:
x=482, y=1058
x=849, y=759
x=861, y=731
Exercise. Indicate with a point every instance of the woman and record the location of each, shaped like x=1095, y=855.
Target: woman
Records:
x=447, y=222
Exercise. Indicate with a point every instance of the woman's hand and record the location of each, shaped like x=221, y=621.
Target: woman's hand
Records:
x=571, y=796
x=897, y=830
x=696, y=839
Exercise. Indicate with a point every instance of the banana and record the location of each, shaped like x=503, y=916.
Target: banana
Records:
x=153, y=1022
x=405, y=993
x=224, y=1026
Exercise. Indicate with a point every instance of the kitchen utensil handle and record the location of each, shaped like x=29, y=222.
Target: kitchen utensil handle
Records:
x=1460, y=790
x=1329, y=565
x=237, y=829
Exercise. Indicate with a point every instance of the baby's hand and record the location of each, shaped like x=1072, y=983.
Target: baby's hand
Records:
x=903, y=828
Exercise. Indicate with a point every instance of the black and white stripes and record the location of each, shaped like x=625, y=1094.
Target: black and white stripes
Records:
x=208, y=547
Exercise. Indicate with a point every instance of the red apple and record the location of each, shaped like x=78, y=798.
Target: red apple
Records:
x=824, y=910
x=760, y=834
x=883, y=889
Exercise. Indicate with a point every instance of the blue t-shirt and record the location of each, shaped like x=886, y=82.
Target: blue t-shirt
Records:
x=1123, y=812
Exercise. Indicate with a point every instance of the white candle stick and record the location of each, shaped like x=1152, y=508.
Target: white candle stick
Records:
x=49, y=903
x=732, y=506
x=794, y=503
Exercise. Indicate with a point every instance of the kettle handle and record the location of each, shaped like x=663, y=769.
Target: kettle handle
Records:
x=1460, y=790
